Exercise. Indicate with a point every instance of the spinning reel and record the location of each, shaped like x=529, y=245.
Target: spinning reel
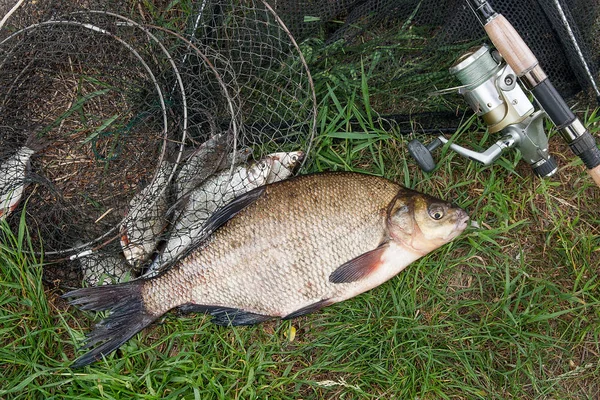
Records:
x=492, y=90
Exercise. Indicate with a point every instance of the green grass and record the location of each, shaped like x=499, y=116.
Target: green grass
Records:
x=509, y=310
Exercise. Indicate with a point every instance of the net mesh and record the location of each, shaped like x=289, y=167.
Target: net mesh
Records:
x=125, y=125
x=123, y=132
x=561, y=33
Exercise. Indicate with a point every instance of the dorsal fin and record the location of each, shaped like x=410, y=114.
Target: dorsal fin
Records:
x=224, y=214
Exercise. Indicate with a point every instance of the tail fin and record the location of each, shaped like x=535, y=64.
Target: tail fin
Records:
x=127, y=317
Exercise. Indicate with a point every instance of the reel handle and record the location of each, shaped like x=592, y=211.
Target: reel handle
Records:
x=422, y=154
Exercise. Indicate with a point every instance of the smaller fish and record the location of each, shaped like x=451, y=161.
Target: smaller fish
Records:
x=216, y=191
x=146, y=218
x=13, y=174
x=212, y=156
x=103, y=267
x=148, y=210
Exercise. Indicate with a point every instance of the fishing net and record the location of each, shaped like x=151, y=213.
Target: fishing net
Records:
x=125, y=125
x=411, y=44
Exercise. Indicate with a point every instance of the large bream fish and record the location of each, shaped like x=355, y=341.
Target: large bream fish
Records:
x=282, y=250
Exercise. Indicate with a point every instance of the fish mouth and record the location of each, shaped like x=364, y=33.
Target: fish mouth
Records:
x=462, y=220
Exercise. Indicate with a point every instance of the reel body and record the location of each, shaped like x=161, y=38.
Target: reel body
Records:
x=491, y=89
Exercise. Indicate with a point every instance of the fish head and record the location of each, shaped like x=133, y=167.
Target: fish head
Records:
x=259, y=171
x=289, y=160
x=239, y=156
x=25, y=152
x=423, y=223
x=284, y=165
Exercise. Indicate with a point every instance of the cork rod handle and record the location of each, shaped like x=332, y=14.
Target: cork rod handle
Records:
x=510, y=44
x=595, y=174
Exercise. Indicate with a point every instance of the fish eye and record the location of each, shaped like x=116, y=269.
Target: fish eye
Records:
x=437, y=212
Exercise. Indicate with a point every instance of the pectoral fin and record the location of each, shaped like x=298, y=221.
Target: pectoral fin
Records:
x=360, y=267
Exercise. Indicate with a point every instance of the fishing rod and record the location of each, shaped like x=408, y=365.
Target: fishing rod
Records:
x=490, y=87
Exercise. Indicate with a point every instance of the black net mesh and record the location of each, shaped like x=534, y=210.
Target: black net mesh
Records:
x=562, y=33
x=125, y=125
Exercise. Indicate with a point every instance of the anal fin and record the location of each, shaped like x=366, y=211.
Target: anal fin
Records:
x=360, y=267
x=309, y=309
x=226, y=316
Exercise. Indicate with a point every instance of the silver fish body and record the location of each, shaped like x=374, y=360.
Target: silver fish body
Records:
x=284, y=250
x=146, y=218
x=212, y=156
x=13, y=172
